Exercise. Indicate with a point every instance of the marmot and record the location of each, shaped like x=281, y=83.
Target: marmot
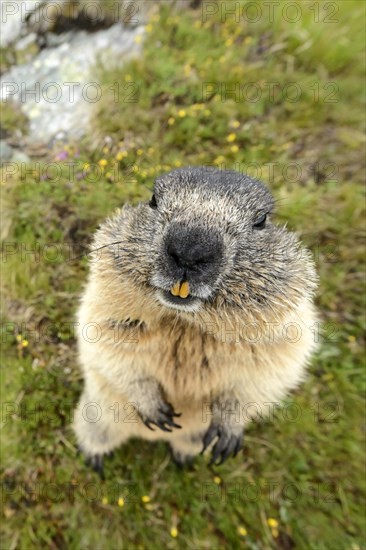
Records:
x=198, y=307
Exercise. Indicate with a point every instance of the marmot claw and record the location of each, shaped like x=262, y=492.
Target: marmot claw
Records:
x=96, y=463
x=164, y=419
x=228, y=443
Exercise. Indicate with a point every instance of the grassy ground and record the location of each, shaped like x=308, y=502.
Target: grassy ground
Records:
x=299, y=482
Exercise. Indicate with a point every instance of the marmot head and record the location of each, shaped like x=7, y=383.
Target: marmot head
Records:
x=206, y=243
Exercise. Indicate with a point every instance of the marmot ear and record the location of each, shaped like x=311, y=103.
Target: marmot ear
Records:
x=153, y=203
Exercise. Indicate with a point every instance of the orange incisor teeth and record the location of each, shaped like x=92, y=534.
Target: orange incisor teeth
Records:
x=175, y=289
x=181, y=290
x=184, y=290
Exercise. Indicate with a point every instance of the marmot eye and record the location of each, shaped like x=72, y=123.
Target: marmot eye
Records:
x=153, y=203
x=260, y=221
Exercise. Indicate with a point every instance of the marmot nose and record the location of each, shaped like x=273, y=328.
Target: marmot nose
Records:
x=194, y=250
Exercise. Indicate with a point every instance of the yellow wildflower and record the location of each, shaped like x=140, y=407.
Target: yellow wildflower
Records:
x=234, y=148
x=220, y=159
x=182, y=113
x=140, y=152
x=229, y=42
x=234, y=124
x=25, y=343
x=217, y=480
x=121, y=155
x=19, y=338
x=105, y=500
x=148, y=28
x=121, y=502
x=174, y=532
x=138, y=39
x=242, y=531
x=177, y=163
x=103, y=162
x=145, y=498
x=272, y=522
x=171, y=121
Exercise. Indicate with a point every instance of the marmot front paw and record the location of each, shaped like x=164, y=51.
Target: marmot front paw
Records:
x=163, y=417
x=229, y=442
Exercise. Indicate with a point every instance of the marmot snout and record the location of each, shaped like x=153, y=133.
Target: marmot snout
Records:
x=219, y=300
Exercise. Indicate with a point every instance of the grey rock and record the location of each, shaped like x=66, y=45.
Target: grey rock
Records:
x=25, y=42
x=58, y=90
x=44, y=15
x=6, y=152
x=54, y=40
x=13, y=19
x=18, y=17
x=19, y=156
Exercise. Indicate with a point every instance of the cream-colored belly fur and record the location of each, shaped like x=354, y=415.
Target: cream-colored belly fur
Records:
x=191, y=365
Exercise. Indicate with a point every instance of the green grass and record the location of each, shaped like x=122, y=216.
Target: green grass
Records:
x=12, y=119
x=305, y=472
